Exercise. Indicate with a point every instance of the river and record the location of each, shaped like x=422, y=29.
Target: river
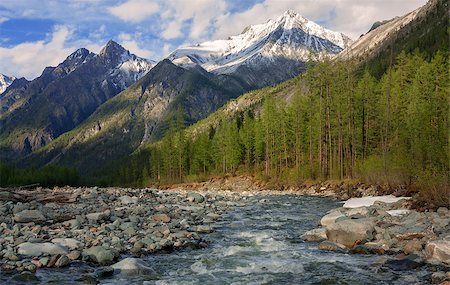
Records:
x=257, y=242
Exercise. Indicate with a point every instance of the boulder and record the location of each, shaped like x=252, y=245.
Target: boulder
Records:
x=413, y=246
x=319, y=234
x=125, y=200
x=37, y=249
x=27, y=216
x=70, y=243
x=331, y=218
x=100, y=254
x=331, y=246
x=132, y=266
x=63, y=261
x=351, y=232
x=438, y=250
x=196, y=197
x=95, y=217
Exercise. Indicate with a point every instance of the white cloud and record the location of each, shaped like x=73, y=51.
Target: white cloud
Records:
x=134, y=11
x=29, y=59
x=175, y=15
x=351, y=17
x=172, y=30
x=3, y=19
x=167, y=49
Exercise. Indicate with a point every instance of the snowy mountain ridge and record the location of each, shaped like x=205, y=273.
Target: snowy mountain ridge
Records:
x=5, y=81
x=290, y=36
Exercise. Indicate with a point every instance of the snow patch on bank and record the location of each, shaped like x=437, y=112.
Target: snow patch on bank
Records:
x=370, y=200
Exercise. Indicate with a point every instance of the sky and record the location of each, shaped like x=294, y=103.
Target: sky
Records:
x=35, y=34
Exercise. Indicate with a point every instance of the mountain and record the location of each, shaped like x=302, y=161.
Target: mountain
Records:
x=200, y=80
x=267, y=53
x=424, y=29
x=5, y=81
x=34, y=113
x=139, y=115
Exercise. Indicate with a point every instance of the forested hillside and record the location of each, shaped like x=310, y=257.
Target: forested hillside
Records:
x=337, y=125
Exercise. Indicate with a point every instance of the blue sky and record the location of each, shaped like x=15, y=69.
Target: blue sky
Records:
x=35, y=34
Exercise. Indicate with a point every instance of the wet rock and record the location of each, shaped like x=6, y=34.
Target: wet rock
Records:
x=104, y=272
x=74, y=255
x=37, y=249
x=161, y=218
x=404, y=264
x=439, y=277
x=438, y=250
x=87, y=279
x=376, y=247
x=351, y=232
x=319, y=234
x=331, y=246
x=25, y=277
x=413, y=246
x=100, y=254
x=44, y=261
x=132, y=266
x=63, y=261
x=330, y=218
x=53, y=260
x=204, y=229
x=27, y=216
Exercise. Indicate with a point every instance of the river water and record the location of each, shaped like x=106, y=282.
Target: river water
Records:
x=256, y=243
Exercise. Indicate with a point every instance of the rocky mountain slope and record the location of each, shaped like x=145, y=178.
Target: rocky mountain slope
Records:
x=5, y=81
x=34, y=113
x=139, y=115
x=424, y=29
x=427, y=22
x=207, y=77
x=267, y=53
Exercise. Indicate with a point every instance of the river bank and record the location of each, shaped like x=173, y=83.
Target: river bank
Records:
x=52, y=228
x=113, y=230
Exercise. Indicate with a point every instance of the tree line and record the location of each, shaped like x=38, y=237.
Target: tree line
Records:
x=341, y=123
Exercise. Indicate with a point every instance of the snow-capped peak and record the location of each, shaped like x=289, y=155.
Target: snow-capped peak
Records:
x=290, y=36
x=126, y=67
x=5, y=81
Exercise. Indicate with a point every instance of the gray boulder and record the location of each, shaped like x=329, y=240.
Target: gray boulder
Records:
x=351, y=232
x=37, y=249
x=196, y=197
x=100, y=254
x=330, y=218
x=132, y=266
x=70, y=243
x=319, y=234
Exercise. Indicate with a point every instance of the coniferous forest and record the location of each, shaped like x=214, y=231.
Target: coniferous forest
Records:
x=342, y=123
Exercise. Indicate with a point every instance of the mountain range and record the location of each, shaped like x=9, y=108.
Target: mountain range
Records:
x=200, y=79
x=265, y=54
x=36, y=112
x=103, y=107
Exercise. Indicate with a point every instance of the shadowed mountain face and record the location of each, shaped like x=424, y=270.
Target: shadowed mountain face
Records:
x=140, y=115
x=34, y=113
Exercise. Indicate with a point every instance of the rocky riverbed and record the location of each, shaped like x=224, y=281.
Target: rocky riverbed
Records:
x=97, y=226
x=386, y=225
x=97, y=233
